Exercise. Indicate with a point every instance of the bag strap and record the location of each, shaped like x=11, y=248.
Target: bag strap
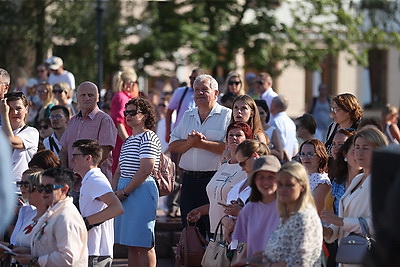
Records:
x=180, y=102
x=219, y=227
x=364, y=227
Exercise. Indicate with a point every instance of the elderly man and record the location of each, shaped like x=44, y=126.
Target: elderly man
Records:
x=4, y=84
x=285, y=125
x=199, y=137
x=264, y=87
x=90, y=123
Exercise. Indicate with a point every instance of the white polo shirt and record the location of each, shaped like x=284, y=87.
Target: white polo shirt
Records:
x=213, y=127
x=100, y=238
x=268, y=96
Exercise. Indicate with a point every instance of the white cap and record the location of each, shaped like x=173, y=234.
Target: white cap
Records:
x=55, y=63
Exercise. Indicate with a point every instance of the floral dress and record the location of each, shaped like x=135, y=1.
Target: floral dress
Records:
x=317, y=178
x=297, y=241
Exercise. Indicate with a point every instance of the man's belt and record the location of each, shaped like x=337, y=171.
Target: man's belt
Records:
x=200, y=174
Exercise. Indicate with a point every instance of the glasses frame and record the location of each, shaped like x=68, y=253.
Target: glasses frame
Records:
x=243, y=163
x=49, y=188
x=234, y=83
x=309, y=155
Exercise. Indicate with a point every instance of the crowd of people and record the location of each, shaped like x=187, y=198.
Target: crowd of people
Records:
x=281, y=190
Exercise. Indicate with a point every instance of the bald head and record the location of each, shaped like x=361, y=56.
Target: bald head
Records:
x=88, y=96
x=278, y=104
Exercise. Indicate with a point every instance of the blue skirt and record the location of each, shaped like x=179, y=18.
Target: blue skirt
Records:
x=135, y=227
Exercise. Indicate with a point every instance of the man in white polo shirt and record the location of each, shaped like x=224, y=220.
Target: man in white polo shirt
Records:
x=200, y=136
x=98, y=203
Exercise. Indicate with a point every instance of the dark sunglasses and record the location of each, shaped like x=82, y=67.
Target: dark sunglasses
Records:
x=241, y=164
x=27, y=185
x=49, y=188
x=131, y=112
x=43, y=127
x=11, y=94
x=233, y=83
x=57, y=91
x=41, y=70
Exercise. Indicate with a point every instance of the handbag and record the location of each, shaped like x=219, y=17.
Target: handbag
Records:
x=240, y=253
x=353, y=248
x=217, y=249
x=190, y=248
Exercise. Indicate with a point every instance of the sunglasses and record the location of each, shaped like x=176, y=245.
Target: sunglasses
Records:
x=27, y=185
x=241, y=164
x=233, y=83
x=43, y=127
x=55, y=117
x=41, y=70
x=309, y=155
x=49, y=188
x=131, y=112
x=11, y=94
x=260, y=82
x=42, y=91
x=57, y=91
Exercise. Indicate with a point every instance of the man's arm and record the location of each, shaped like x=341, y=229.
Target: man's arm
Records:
x=114, y=209
x=179, y=146
x=106, y=152
x=168, y=119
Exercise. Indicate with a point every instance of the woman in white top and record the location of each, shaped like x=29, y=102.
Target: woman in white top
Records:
x=227, y=176
x=356, y=201
x=246, y=153
x=314, y=158
x=24, y=139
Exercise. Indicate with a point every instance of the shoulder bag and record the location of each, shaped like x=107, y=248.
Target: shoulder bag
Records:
x=353, y=248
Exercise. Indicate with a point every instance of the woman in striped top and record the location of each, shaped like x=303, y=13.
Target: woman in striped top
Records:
x=137, y=190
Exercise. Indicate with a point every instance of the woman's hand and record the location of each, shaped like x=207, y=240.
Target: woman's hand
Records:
x=233, y=209
x=229, y=225
x=23, y=258
x=327, y=232
x=331, y=218
x=194, y=215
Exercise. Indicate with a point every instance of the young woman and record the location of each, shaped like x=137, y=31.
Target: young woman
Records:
x=246, y=110
x=23, y=138
x=389, y=117
x=234, y=84
x=45, y=93
x=137, y=190
x=127, y=88
x=356, y=201
x=259, y=218
x=272, y=133
x=314, y=158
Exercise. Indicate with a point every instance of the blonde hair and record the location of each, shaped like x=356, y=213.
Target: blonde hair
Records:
x=234, y=74
x=122, y=77
x=305, y=200
x=388, y=110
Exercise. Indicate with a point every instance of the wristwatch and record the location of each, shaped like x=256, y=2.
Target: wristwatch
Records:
x=125, y=193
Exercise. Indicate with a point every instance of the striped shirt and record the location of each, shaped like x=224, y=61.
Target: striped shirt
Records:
x=145, y=145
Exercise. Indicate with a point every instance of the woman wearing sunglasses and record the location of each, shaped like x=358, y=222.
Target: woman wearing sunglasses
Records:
x=136, y=188
x=23, y=138
x=60, y=236
x=314, y=158
x=234, y=84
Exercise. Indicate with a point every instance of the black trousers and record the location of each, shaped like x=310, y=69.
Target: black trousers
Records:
x=194, y=195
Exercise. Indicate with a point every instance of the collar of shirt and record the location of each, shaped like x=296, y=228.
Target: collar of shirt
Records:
x=215, y=110
x=92, y=114
x=89, y=173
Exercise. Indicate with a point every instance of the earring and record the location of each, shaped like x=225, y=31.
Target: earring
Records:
x=345, y=159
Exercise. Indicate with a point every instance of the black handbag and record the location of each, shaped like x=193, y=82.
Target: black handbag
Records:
x=353, y=248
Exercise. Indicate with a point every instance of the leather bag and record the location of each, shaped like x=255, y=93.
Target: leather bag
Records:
x=216, y=252
x=353, y=248
x=190, y=248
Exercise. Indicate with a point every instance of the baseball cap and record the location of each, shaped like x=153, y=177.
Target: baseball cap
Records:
x=31, y=82
x=266, y=163
x=55, y=63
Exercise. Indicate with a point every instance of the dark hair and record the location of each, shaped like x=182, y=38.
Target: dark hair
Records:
x=63, y=108
x=44, y=159
x=320, y=150
x=250, y=146
x=15, y=96
x=349, y=103
x=308, y=122
x=62, y=176
x=227, y=99
x=89, y=147
x=263, y=104
x=242, y=126
x=370, y=121
x=340, y=167
x=146, y=108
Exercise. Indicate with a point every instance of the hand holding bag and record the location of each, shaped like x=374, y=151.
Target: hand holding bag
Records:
x=216, y=252
x=353, y=248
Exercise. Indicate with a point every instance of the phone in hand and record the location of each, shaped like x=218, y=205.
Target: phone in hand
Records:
x=223, y=204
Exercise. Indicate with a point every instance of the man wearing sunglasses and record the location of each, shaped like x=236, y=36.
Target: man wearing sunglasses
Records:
x=90, y=123
x=264, y=87
x=97, y=202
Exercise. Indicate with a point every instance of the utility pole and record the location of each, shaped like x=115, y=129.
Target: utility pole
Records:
x=99, y=12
